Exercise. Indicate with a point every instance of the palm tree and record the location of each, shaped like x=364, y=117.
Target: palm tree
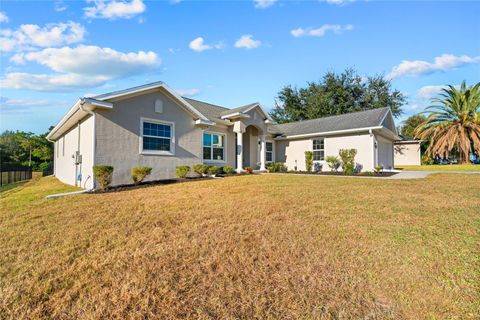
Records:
x=453, y=122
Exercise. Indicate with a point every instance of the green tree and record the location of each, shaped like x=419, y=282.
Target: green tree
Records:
x=410, y=124
x=336, y=94
x=453, y=122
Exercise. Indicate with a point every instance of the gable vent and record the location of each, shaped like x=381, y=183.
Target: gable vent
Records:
x=158, y=106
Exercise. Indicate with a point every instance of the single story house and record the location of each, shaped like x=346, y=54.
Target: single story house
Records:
x=407, y=152
x=151, y=125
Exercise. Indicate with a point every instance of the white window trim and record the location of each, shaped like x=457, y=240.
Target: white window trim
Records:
x=273, y=150
x=157, y=152
x=319, y=161
x=211, y=147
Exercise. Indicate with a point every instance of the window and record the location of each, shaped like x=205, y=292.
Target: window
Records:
x=157, y=137
x=318, y=149
x=269, y=152
x=213, y=146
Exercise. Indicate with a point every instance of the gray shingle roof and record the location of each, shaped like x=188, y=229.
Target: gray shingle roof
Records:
x=354, y=120
x=214, y=112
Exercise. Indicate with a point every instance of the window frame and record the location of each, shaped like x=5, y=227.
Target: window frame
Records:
x=211, y=146
x=313, y=149
x=157, y=152
x=272, y=152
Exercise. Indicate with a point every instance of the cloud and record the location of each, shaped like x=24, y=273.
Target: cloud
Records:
x=93, y=61
x=444, y=62
x=262, y=4
x=8, y=105
x=199, y=45
x=320, y=32
x=80, y=67
x=188, y=92
x=29, y=36
x=246, y=41
x=49, y=82
x=114, y=9
x=339, y=2
x=428, y=92
x=3, y=17
x=60, y=6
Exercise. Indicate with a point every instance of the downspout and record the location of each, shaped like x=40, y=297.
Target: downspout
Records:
x=82, y=107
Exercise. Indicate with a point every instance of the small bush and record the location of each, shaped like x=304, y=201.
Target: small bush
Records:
x=276, y=167
x=248, y=170
x=367, y=173
x=347, y=157
x=427, y=160
x=103, y=175
x=200, y=168
x=333, y=163
x=214, y=170
x=378, y=169
x=139, y=173
x=181, y=171
x=228, y=170
x=309, y=160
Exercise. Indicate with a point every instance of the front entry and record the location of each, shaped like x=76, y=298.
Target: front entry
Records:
x=250, y=147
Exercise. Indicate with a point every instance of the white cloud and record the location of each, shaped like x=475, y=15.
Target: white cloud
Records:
x=28, y=36
x=199, y=45
x=428, y=92
x=3, y=17
x=49, y=82
x=8, y=105
x=320, y=32
x=338, y=2
x=80, y=67
x=93, y=61
x=419, y=67
x=188, y=92
x=264, y=3
x=113, y=9
x=246, y=41
x=60, y=6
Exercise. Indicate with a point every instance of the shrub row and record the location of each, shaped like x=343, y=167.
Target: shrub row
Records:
x=202, y=169
x=103, y=175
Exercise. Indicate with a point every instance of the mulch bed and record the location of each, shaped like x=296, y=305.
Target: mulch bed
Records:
x=327, y=173
x=126, y=187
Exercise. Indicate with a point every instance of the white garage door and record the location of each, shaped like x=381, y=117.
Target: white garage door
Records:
x=385, y=154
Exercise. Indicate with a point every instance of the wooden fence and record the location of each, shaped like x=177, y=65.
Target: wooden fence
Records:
x=10, y=173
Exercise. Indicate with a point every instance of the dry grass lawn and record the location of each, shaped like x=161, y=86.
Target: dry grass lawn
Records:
x=271, y=246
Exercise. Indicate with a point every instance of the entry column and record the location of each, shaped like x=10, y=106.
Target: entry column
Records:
x=262, y=152
x=239, y=129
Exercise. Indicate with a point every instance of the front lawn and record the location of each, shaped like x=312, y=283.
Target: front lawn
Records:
x=262, y=246
x=442, y=167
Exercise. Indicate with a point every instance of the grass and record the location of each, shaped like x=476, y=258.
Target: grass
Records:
x=264, y=246
x=443, y=167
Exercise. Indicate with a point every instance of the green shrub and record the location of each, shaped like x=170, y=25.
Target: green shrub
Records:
x=200, y=168
x=214, y=170
x=276, y=167
x=248, y=170
x=139, y=173
x=43, y=166
x=367, y=173
x=332, y=162
x=309, y=160
x=228, y=170
x=103, y=175
x=181, y=171
x=347, y=158
x=427, y=160
x=378, y=168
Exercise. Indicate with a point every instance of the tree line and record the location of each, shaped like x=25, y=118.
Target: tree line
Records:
x=26, y=149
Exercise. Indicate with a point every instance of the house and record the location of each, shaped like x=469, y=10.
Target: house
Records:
x=151, y=125
x=407, y=152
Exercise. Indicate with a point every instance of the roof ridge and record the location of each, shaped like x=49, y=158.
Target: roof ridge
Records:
x=215, y=105
x=101, y=95
x=333, y=116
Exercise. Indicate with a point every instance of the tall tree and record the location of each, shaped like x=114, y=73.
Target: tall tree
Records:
x=336, y=94
x=410, y=124
x=453, y=122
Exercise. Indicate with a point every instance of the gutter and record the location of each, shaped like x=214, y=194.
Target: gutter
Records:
x=307, y=135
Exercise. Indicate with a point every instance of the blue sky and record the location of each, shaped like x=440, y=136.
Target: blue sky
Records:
x=229, y=53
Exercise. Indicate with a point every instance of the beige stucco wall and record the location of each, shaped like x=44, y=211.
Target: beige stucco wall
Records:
x=407, y=154
x=292, y=152
x=118, y=138
x=66, y=146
